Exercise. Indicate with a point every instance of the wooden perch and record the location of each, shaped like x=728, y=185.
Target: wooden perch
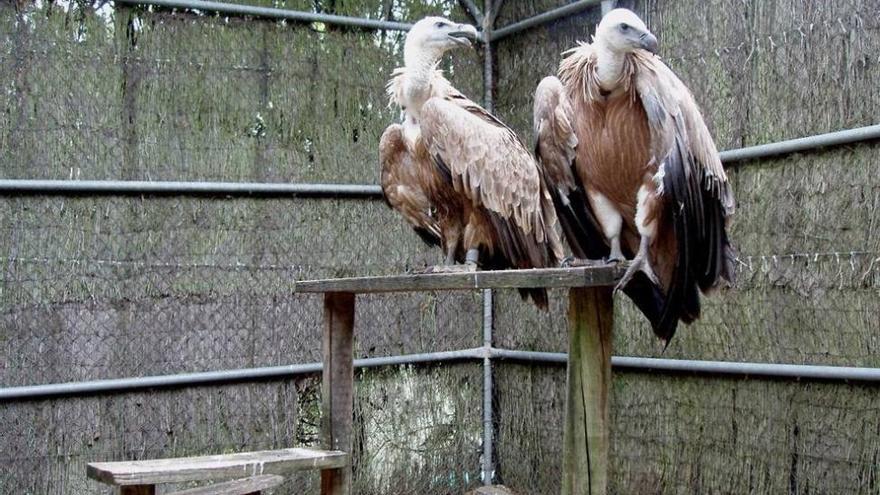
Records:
x=549, y=278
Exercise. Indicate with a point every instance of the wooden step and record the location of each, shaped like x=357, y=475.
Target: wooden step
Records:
x=245, y=486
x=212, y=467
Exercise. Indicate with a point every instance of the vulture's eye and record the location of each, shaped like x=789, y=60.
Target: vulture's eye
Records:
x=440, y=24
x=624, y=27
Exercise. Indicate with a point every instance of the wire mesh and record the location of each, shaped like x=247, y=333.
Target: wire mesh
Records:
x=807, y=287
x=153, y=94
x=697, y=435
x=127, y=288
x=114, y=287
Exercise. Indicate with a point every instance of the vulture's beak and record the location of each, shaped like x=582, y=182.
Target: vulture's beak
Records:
x=649, y=42
x=465, y=34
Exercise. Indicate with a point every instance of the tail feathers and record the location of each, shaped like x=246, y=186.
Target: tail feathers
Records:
x=651, y=302
x=430, y=238
x=579, y=226
x=498, y=261
x=538, y=297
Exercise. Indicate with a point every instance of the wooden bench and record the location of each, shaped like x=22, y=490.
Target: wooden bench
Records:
x=246, y=486
x=262, y=469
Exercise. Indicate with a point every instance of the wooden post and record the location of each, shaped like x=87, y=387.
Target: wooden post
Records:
x=337, y=387
x=585, y=440
x=137, y=490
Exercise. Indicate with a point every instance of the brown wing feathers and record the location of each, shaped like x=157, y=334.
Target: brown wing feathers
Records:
x=555, y=149
x=402, y=186
x=696, y=194
x=493, y=171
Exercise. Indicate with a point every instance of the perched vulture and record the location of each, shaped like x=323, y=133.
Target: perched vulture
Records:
x=633, y=171
x=456, y=173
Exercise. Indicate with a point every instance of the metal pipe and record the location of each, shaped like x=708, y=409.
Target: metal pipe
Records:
x=272, y=13
x=529, y=356
x=237, y=189
x=488, y=464
x=723, y=368
x=848, y=136
x=33, y=392
x=544, y=18
x=488, y=64
x=637, y=364
x=473, y=10
x=497, y=5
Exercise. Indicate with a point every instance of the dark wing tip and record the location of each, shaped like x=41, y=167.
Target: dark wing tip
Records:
x=538, y=296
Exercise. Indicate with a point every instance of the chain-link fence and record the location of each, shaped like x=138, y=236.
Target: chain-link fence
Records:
x=116, y=287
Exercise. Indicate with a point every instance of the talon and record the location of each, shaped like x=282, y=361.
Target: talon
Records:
x=573, y=262
x=638, y=264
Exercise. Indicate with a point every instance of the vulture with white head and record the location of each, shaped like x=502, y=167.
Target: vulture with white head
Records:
x=456, y=173
x=634, y=172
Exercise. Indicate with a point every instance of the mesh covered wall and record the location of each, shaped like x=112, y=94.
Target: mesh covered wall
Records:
x=116, y=287
x=113, y=287
x=807, y=289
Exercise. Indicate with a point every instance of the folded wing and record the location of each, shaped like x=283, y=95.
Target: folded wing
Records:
x=697, y=195
x=490, y=166
x=405, y=186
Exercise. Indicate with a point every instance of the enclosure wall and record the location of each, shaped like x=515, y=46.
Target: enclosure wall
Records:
x=807, y=236
x=112, y=287
x=116, y=287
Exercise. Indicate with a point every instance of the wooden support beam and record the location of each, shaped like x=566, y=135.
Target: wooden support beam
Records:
x=138, y=490
x=585, y=439
x=245, y=486
x=337, y=387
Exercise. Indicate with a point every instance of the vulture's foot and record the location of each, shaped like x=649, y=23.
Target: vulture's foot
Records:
x=465, y=268
x=638, y=264
x=572, y=262
x=615, y=260
x=616, y=254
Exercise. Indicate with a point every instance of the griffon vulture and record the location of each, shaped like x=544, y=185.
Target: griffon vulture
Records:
x=458, y=175
x=634, y=172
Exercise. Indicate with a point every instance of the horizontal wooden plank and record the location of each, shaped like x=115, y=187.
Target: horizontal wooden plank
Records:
x=214, y=467
x=236, y=487
x=498, y=279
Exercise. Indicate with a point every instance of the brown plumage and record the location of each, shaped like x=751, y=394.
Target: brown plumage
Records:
x=407, y=180
x=634, y=172
x=474, y=181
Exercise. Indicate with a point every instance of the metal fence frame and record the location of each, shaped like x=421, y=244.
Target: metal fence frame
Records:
x=486, y=354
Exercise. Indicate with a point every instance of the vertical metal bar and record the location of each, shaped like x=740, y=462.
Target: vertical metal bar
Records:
x=488, y=467
x=488, y=80
x=608, y=6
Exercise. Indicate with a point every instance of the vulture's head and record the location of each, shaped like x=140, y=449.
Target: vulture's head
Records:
x=621, y=31
x=433, y=36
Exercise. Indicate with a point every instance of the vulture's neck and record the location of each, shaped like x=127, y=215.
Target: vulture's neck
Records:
x=420, y=67
x=609, y=67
